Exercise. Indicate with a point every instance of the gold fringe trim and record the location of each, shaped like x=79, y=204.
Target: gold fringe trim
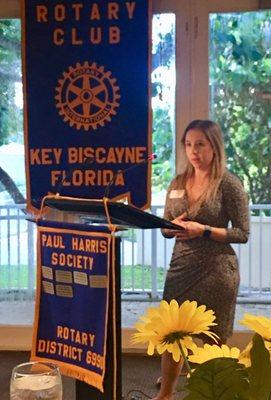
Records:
x=86, y=377
x=113, y=258
x=38, y=295
x=91, y=378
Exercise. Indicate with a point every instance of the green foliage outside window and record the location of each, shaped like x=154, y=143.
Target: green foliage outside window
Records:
x=11, y=116
x=163, y=96
x=240, y=89
x=162, y=147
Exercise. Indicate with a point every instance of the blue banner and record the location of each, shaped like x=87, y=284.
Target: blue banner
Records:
x=72, y=301
x=86, y=70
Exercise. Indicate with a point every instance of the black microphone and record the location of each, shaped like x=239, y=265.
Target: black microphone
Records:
x=60, y=182
x=150, y=157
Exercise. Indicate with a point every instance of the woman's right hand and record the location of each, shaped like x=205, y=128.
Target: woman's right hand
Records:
x=179, y=220
x=176, y=221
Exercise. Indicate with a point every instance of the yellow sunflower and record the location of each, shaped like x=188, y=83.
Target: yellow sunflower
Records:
x=168, y=326
x=208, y=352
x=259, y=324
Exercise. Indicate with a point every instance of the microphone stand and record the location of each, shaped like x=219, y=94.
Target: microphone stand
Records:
x=151, y=157
x=111, y=226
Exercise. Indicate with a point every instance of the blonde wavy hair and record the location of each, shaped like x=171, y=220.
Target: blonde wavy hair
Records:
x=213, y=134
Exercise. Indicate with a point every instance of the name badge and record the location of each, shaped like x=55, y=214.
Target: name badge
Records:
x=176, y=194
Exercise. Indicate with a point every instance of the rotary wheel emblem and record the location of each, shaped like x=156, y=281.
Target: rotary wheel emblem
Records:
x=87, y=96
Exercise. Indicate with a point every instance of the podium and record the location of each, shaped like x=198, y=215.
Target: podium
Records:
x=122, y=216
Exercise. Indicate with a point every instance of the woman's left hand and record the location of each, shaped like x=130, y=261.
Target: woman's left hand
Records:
x=191, y=230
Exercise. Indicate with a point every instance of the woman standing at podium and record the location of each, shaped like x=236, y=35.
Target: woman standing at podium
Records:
x=204, y=266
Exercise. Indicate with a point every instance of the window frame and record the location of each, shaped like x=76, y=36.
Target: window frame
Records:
x=9, y=9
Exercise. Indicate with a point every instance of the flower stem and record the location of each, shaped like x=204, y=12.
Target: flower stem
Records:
x=185, y=358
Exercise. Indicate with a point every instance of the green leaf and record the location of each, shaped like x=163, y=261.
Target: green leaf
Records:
x=260, y=371
x=218, y=379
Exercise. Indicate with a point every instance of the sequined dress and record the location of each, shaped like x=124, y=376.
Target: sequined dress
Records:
x=203, y=269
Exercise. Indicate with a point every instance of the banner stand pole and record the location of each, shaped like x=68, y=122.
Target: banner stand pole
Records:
x=86, y=392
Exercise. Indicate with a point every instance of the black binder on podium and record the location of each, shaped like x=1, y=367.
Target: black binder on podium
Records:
x=123, y=216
